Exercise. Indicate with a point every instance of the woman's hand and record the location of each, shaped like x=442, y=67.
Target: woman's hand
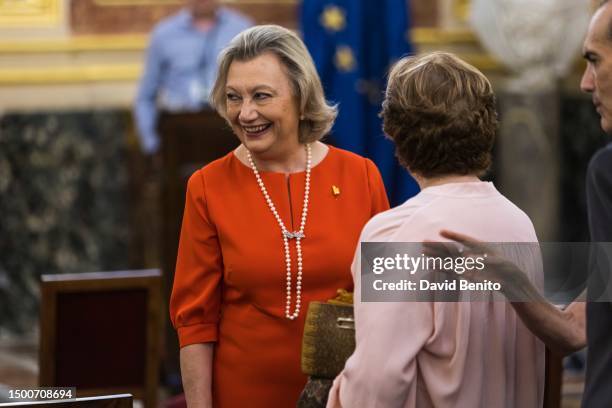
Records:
x=561, y=330
x=514, y=283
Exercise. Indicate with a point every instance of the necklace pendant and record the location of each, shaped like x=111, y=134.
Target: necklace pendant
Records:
x=295, y=234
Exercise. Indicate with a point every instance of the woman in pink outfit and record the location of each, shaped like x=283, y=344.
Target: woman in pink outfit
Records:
x=440, y=112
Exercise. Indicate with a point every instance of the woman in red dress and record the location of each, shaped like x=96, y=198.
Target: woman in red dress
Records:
x=267, y=229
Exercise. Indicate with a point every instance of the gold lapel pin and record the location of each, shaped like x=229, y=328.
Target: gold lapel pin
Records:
x=335, y=190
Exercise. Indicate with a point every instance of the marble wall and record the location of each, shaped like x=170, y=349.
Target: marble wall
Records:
x=542, y=152
x=580, y=135
x=63, y=203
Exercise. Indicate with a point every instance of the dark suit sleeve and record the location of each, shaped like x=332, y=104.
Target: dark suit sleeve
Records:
x=599, y=202
x=597, y=392
x=599, y=195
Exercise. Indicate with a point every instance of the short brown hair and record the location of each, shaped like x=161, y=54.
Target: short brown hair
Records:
x=440, y=112
x=317, y=116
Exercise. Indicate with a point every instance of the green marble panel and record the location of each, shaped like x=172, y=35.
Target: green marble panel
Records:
x=63, y=203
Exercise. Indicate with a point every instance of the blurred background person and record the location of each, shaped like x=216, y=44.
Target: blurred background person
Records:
x=181, y=64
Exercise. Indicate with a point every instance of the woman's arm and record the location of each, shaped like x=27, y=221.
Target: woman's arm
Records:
x=196, y=372
x=562, y=330
x=196, y=294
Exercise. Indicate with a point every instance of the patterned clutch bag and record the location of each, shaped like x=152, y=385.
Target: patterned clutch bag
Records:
x=329, y=337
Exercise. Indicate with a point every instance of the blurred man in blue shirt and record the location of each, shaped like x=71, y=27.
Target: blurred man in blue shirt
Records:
x=181, y=63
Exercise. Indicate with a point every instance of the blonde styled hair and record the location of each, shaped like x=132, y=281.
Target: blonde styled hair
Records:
x=440, y=112
x=317, y=116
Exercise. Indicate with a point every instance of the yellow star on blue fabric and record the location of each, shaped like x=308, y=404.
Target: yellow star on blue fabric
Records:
x=345, y=59
x=333, y=18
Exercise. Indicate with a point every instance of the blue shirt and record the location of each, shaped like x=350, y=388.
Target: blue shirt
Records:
x=181, y=68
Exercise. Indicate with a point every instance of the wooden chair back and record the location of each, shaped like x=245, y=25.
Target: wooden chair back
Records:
x=100, y=332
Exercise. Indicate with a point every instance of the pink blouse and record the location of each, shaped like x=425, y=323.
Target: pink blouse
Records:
x=429, y=354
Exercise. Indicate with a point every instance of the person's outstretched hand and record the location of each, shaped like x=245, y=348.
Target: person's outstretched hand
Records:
x=498, y=269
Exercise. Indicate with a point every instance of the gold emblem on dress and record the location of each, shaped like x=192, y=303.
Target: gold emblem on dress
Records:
x=335, y=190
x=333, y=18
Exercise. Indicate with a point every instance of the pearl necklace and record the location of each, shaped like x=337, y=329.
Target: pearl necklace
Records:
x=287, y=235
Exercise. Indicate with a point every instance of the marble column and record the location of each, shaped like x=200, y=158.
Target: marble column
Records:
x=527, y=162
x=526, y=37
x=63, y=203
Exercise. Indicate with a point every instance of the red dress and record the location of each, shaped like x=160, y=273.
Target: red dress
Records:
x=229, y=284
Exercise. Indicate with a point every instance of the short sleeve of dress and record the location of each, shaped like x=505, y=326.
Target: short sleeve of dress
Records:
x=196, y=293
x=378, y=194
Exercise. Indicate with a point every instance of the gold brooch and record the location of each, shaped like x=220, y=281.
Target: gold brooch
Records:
x=335, y=190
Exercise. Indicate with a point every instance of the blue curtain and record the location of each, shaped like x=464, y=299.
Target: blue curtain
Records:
x=353, y=44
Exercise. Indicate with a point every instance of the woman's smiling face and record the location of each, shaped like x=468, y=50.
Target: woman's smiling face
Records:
x=262, y=107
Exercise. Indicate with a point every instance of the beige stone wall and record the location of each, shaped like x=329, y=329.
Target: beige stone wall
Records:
x=33, y=19
x=139, y=16
x=90, y=51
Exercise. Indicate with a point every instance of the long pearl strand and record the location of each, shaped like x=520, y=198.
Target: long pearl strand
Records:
x=287, y=235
